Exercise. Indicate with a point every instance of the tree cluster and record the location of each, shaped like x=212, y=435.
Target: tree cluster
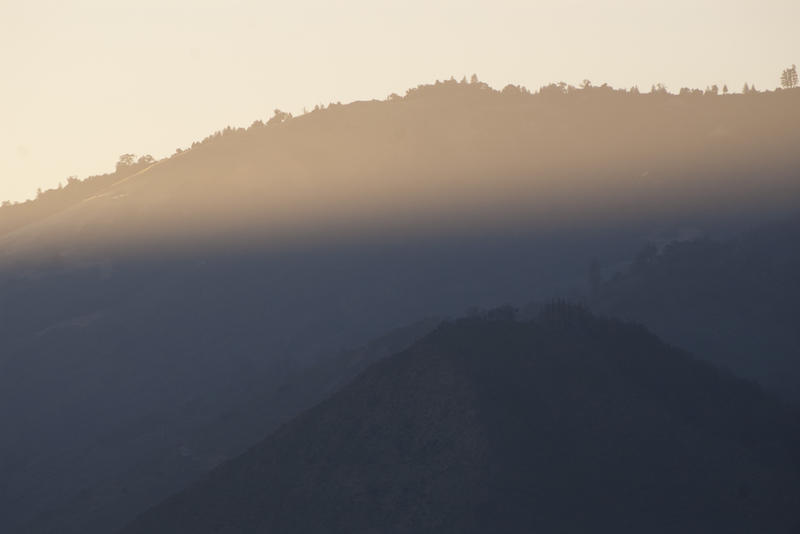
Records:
x=789, y=78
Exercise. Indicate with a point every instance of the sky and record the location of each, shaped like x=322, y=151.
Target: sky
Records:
x=87, y=80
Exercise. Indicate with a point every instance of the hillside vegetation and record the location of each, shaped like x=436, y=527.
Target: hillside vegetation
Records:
x=566, y=424
x=442, y=157
x=733, y=301
x=130, y=301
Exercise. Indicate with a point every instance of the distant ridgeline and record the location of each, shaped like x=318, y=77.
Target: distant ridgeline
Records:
x=454, y=150
x=14, y=215
x=734, y=302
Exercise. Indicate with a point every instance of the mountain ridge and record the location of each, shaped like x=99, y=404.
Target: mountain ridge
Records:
x=438, y=438
x=561, y=147
x=741, y=290
x=259, y=251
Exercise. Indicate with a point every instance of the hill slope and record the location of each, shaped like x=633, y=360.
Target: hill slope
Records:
x=443, y=156
x=101, y=478
x=734, y=302
x=129, y=300
x=569, y=424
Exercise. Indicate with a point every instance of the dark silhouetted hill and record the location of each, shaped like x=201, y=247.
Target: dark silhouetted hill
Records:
x=735, y=301
x=567, y=424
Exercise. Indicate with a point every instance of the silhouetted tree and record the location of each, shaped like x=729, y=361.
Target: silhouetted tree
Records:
x=725, y=89
x=659, y=89
x=125, y=160
x=279, y=117
x=789, y=78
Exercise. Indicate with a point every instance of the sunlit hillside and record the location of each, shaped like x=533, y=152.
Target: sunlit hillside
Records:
x=440, y=158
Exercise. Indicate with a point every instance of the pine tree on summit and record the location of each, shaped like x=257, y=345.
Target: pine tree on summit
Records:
x=126, y=160
x=789, y=78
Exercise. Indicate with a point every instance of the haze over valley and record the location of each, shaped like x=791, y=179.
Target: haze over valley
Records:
x=464, y=307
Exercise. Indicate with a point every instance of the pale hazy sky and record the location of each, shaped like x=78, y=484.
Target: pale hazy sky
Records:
x=86, y=80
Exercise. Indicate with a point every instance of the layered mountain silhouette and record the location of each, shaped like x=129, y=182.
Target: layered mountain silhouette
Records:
x=157, y=455
x=733, y=301
x=221, y=434
x=140, y=308
x=569, y=423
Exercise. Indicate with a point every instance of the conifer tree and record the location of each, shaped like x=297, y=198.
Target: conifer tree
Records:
x=789, y=78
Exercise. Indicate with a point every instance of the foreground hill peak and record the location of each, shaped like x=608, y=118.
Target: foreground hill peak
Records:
x=567, y=423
